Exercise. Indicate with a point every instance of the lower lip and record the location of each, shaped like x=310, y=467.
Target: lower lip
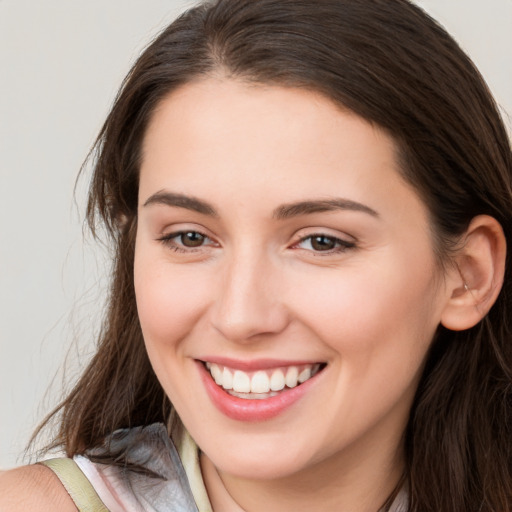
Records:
x=243, y=409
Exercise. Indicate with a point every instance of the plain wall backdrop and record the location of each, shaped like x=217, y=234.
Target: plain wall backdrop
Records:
x=61, y=63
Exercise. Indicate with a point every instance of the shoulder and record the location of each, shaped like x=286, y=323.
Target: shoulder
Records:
x=35, y=488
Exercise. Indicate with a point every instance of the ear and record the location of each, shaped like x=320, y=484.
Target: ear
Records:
x=478, y=274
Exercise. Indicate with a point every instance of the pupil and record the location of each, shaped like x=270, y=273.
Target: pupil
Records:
x=322, y=243
x=192, y=239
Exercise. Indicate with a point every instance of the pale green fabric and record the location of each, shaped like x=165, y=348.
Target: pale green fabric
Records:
x=76, y=484
x=189, y=455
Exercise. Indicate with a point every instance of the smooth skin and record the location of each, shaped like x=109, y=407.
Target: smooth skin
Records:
x=355, y=286
x=35, y=489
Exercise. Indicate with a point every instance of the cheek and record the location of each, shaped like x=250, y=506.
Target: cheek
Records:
x=377, y=334
x=373, y=315
x=169, y=302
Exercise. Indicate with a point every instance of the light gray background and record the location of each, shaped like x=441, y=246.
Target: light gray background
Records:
x=61, y=62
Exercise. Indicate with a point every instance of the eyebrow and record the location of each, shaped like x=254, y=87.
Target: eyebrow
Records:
x=182, y=201
x=282, y=212
x=321, y=205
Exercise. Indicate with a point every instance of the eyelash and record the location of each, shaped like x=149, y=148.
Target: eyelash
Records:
x=340, y=245
x=169, y=241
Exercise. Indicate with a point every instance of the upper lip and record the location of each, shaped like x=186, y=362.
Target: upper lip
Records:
x=256, y=364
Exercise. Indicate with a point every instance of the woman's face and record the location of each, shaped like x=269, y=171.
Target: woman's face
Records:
x=277, y=243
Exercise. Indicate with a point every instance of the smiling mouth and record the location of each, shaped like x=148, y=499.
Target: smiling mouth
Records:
x=261, y=384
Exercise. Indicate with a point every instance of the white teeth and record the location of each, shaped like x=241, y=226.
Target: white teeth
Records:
x=227, y=379
x=216, y=374
x=304, y=375
x=241, y=382
x=277, y=381
x=260, y=384
x=291, y=376
x=253, y=396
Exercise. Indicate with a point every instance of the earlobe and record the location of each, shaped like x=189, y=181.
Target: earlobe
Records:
x=478, y=276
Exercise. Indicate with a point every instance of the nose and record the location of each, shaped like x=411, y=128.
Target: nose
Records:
x=249, y=303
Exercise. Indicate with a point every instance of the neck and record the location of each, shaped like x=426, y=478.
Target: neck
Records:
x=355, y=482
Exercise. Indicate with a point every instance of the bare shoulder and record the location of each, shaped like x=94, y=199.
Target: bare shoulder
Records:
x=34, y=488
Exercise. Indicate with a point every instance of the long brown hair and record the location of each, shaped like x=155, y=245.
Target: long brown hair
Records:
x=389, y=62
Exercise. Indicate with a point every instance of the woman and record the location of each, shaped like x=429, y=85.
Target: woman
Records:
x=310, y=203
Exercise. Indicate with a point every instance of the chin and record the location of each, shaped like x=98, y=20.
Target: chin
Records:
x=262, y=461
x=250, y=469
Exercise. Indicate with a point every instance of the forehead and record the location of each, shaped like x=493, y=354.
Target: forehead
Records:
x=226, y=139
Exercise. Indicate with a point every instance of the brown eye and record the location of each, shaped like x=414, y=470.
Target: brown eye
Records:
x=192, y=239
x=323, y=243
x=186, y=241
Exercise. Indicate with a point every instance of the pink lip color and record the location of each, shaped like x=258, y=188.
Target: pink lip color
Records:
x=252, y=410
x=254, y=365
